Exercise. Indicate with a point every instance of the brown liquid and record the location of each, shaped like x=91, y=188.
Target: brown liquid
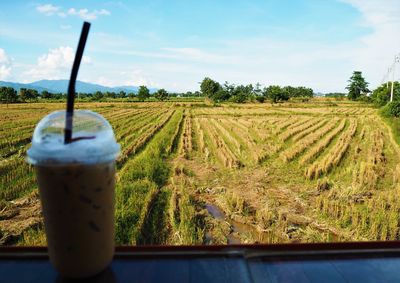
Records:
x=78, y=208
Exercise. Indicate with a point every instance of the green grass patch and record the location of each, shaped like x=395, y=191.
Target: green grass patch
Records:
x=394, y=124
x=141, y=179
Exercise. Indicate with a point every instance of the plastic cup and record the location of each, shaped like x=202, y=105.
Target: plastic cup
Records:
x=76, y=188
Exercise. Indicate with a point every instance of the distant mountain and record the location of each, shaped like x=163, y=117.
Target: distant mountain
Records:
x=17, y=86
x=57, y=86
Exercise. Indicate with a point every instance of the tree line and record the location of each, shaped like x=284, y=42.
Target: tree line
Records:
x=208, y=88
x=242, y=93
x=11, y=95
x=357, y=90
x=381, y=97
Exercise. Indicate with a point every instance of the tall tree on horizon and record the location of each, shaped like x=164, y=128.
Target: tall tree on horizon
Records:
x=161, y=94
x=143, y=93
x=210, y=88
x=357, y=86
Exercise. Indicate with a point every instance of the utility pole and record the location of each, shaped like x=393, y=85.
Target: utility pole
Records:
x=387, y=78
x=391, y=90
x=396, y=60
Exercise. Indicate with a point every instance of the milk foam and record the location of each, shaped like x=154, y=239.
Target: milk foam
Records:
x=48, y=140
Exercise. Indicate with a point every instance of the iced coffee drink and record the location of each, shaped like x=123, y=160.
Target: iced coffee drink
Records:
x=76, y=187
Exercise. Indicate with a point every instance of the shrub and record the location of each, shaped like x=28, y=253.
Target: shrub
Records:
x=364, y=98
x=260, y=98
x=392, y=109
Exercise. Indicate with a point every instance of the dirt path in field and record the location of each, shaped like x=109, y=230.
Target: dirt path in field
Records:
x=18, y=216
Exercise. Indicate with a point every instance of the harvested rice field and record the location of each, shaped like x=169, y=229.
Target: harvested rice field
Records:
x=192, y=173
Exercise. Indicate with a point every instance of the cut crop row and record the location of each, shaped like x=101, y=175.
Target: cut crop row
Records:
x=366, y=177
x=140, y=182
x=244, y=137
x=310, y=130
x=334, y=156
x=222, y=151
x=186, y=145
x=306, y=142
x=227, y=136
x=324, y=143
x=186, y=222
x=123, y=125
x=141, y=141
x=17, y=180
x=299, y=128
x=133, y=124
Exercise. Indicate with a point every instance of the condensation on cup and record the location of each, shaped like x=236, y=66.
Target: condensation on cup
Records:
x=76, y=188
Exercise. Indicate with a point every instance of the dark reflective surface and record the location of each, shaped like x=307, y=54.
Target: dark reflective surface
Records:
x=279, y=263
x=107, y=276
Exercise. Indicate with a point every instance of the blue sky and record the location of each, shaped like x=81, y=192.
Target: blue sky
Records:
x=175, y=44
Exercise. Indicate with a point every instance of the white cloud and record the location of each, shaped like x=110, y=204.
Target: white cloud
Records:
x=135, y=77
x=322, y=66
x=120, y=46
x=138, y=77
x=47, y=9
x=379, y=47
x=85, y=14
x=5, y=65
x=4, y=59
x=376, y=13
x=54, y=65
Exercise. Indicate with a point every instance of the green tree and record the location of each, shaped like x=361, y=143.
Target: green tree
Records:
x=97, y=95
x=257, y=90
x=161, y=94
x=242, y=93
x=260, y=98
x=8, y=95
x=220, y=95
x=33, y=94
x=304, y=92
x=84, y=95
x=229, y=89
x=209, y=88
x=110, y=94
x=46, y=95
x=143, y=93
x=122, y=94
x=392, y=109
x=276, y=93
x=381, y=95
x=290, y=91
x=299, y=91
x=28, y=94
x=59, y=95
x=357, y=86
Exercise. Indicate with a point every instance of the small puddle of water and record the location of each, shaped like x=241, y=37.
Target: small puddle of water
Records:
x=215, y=212
x=237, y=227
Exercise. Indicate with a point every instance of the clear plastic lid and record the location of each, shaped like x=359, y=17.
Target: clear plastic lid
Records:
x=92, y=135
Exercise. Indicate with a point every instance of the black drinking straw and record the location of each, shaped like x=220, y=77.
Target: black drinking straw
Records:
x=72, y=80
